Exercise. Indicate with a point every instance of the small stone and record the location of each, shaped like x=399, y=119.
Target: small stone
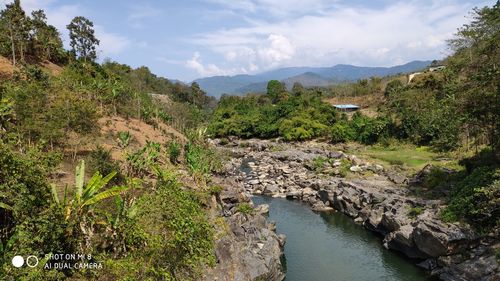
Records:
x=356, y=169
x=253, y=182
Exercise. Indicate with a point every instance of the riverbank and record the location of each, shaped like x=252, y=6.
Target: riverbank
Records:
x=377, y=197
x=247, y=247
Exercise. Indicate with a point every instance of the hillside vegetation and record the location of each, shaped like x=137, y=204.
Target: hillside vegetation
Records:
x=94, y=160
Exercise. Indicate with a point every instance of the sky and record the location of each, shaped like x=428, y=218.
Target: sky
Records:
x=190, y=39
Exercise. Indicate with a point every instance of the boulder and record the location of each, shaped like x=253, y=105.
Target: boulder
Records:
x=396, y=177
x=271, y=189
x=262, y=209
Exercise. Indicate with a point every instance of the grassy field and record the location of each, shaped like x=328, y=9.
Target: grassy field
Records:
x=411, y=157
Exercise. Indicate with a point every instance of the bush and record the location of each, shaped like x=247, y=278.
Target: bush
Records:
x=475, y=199
x=174, y=151
x=301, y=128
x=100, y=161
x=245, y=209
x=141, y=161
x=124, y=139
x=415, y=211
x=202, y=160
x=181, y=238
x=341, y=132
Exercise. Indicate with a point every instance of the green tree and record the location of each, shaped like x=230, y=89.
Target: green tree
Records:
x=274, y=90
x=83, y=41
x=46, y=40
x=15, y=25
x=393, y=87
x=297, y=89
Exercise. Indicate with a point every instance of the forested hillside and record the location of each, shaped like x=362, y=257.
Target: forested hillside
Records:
x=90, y=156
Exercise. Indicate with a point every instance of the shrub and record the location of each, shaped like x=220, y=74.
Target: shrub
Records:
x=202, y=159
x=245, y=209
x=341, y=132
x=301, y=128
x=174, y=151
x=141, y=161
x=181, y=238
x=100, y=161
x=124, y=139
x=476, y=198
x=415, y=211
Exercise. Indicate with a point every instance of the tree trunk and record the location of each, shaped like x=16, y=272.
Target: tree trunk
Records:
x=12, y=47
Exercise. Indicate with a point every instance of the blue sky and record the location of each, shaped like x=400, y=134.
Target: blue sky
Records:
x=196, y=38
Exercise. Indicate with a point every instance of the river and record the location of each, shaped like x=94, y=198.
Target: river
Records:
x=330, y=246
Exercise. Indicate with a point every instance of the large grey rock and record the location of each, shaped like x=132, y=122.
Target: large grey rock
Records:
x=271, y=190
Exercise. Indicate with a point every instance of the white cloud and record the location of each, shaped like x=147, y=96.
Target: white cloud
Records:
x=279, y=50
x=204, y=70
x=327, y=35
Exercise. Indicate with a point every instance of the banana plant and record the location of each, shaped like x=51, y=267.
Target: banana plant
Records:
x=88, y=195
x=124, y=210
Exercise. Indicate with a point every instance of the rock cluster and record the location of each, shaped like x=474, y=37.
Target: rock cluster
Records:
x=374, y=197
x=247, y=248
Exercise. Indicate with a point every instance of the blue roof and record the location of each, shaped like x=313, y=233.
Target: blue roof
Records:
x=346, y=106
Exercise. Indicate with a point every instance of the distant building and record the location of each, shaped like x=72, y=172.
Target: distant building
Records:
x=436, y=68
x=346, y=107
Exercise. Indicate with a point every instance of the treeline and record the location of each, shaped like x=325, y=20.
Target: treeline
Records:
x=299, y=115
x=27, y=38
x=458, y=106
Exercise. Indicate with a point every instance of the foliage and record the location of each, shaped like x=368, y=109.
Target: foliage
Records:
x=174, y=151
x=88, y=195
x=124, y=138
x=24, y=38
x=275, y=90
x=245, y=209
x=82, y=39
x=415, y=211
x=180, y=235
x=100, y=161
x=201, y=159
x=393, y=88
x=298, y=117
x=141, y=161
x=476, y=199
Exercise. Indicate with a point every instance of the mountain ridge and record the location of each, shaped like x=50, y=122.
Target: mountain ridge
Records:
x=308, y=76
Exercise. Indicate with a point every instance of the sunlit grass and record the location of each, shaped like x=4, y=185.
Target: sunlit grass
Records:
x=408, y=156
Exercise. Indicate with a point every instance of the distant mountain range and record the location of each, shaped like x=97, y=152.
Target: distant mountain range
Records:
x=307, y=76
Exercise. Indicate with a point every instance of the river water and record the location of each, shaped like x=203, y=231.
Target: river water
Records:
x=331, y=247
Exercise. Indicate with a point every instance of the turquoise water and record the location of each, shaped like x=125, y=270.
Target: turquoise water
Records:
x=332, y=247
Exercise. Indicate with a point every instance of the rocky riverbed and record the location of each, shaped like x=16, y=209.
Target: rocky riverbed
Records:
x=377, y=197
x=247, y=247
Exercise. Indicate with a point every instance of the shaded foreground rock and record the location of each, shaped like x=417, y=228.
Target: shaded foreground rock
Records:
x=248, y=249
